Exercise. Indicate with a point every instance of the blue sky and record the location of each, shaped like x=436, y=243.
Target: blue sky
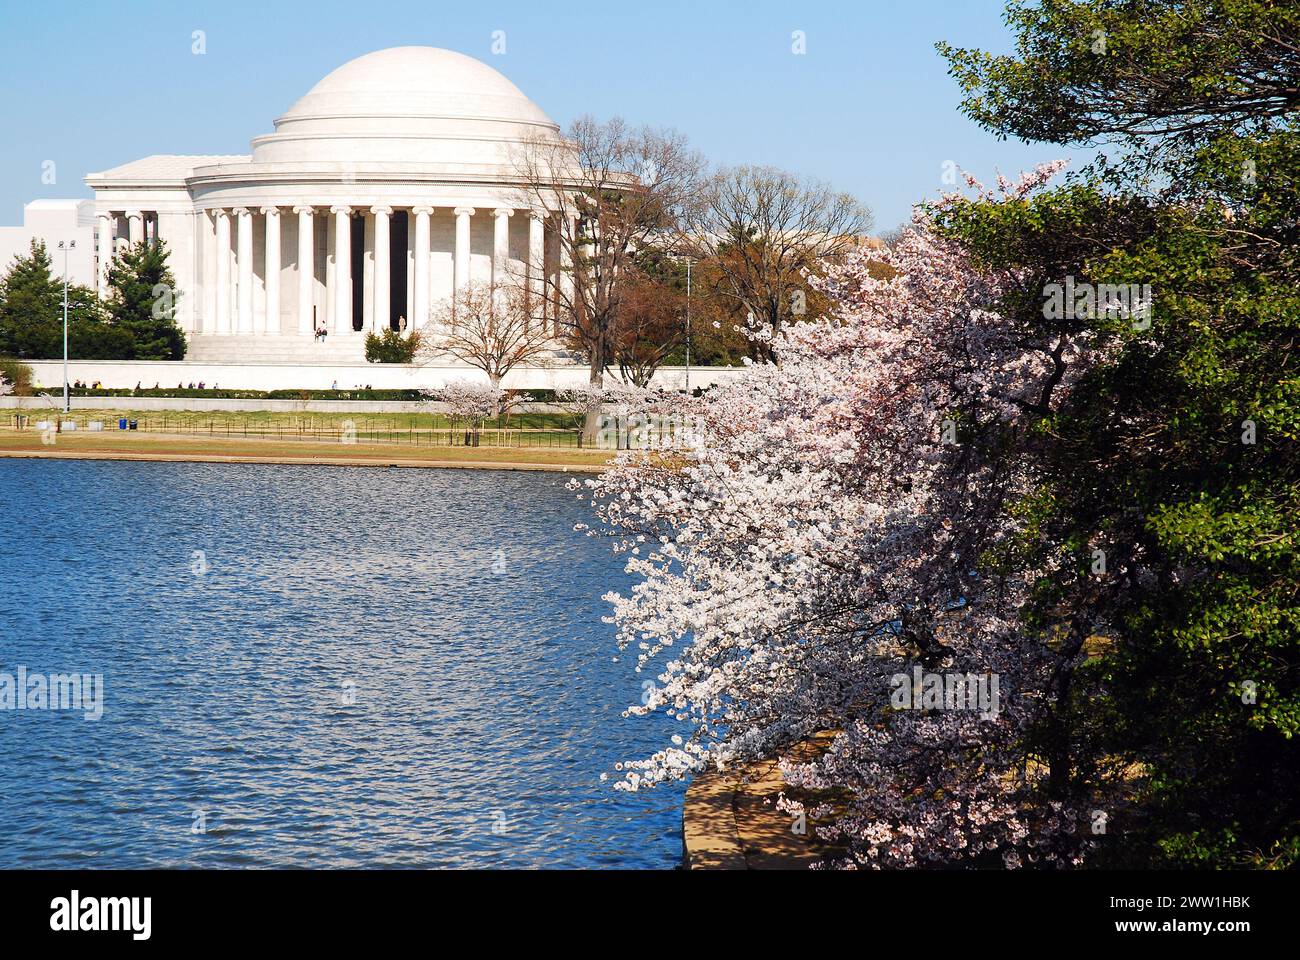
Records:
x=869, y=107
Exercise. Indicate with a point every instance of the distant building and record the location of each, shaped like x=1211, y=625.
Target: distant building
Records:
x=55, y=221
x=384, y=189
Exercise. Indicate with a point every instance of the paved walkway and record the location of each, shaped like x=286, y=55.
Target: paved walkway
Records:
x=730, y=820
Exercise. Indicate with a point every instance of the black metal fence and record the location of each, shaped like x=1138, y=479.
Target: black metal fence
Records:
x=388, y=430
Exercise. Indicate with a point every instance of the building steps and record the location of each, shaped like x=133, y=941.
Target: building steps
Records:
x=248, y=348
x=292, y=349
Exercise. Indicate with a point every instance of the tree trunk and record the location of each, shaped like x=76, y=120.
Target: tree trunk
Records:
x=1060, y=724
x=591, y=419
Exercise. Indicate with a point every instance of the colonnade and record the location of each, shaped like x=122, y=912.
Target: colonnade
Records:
x=232, y=307
x=239, y=317
x=141, y=224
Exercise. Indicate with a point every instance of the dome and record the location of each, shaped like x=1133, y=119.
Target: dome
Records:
x=409, y=104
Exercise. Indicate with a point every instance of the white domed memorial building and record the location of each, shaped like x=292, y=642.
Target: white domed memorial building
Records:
x=387, y=187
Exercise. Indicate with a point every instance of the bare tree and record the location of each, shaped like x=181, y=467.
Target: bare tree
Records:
x=491, y=328
x=610, y=190
x=763, y=228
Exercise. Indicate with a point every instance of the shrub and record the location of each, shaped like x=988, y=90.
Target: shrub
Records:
x=391, y=347
x=18, y=374
x=521, y=396
x=344, y=395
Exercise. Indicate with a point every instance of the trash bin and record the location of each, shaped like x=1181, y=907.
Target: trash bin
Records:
x=121, y=424
x=135, y=424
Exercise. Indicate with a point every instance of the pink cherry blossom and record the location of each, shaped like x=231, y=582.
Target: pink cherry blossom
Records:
x=825, y=537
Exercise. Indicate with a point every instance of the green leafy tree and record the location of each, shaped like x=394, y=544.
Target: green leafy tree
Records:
x=1170, y=484
x=143, y=301
x=31, y=309
x=1166, y=74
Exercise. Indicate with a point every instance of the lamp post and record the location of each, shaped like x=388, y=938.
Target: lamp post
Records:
x=65, y=246
x=688, y=326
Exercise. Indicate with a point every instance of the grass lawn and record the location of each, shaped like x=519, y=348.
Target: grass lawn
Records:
x=535, y=430
x=137, y=445
x=271, y=419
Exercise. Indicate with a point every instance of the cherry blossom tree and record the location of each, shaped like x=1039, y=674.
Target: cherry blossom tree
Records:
x=468, y=400
x=632, y=416
x=841, y=526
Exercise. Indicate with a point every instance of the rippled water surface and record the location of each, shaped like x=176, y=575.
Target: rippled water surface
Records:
x=486, y=697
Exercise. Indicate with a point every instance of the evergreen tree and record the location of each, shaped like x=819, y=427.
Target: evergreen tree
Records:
x=31, y=307
x=143, y=301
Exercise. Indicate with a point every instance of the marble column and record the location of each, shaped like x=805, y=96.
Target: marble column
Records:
x=420, y=308
x=383, y=269
x=306, y=269
x=460, y=276
x=107, y=223
x=223, y=271
x=135, y=226
x=537, y=266
x=342, y=269
x=501, y=246
x=207, y=259
x=365, y=277
x=271, y=320
x=244, y=263
x=564, y=304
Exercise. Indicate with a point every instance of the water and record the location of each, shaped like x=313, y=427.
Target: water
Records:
x=486, y=703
